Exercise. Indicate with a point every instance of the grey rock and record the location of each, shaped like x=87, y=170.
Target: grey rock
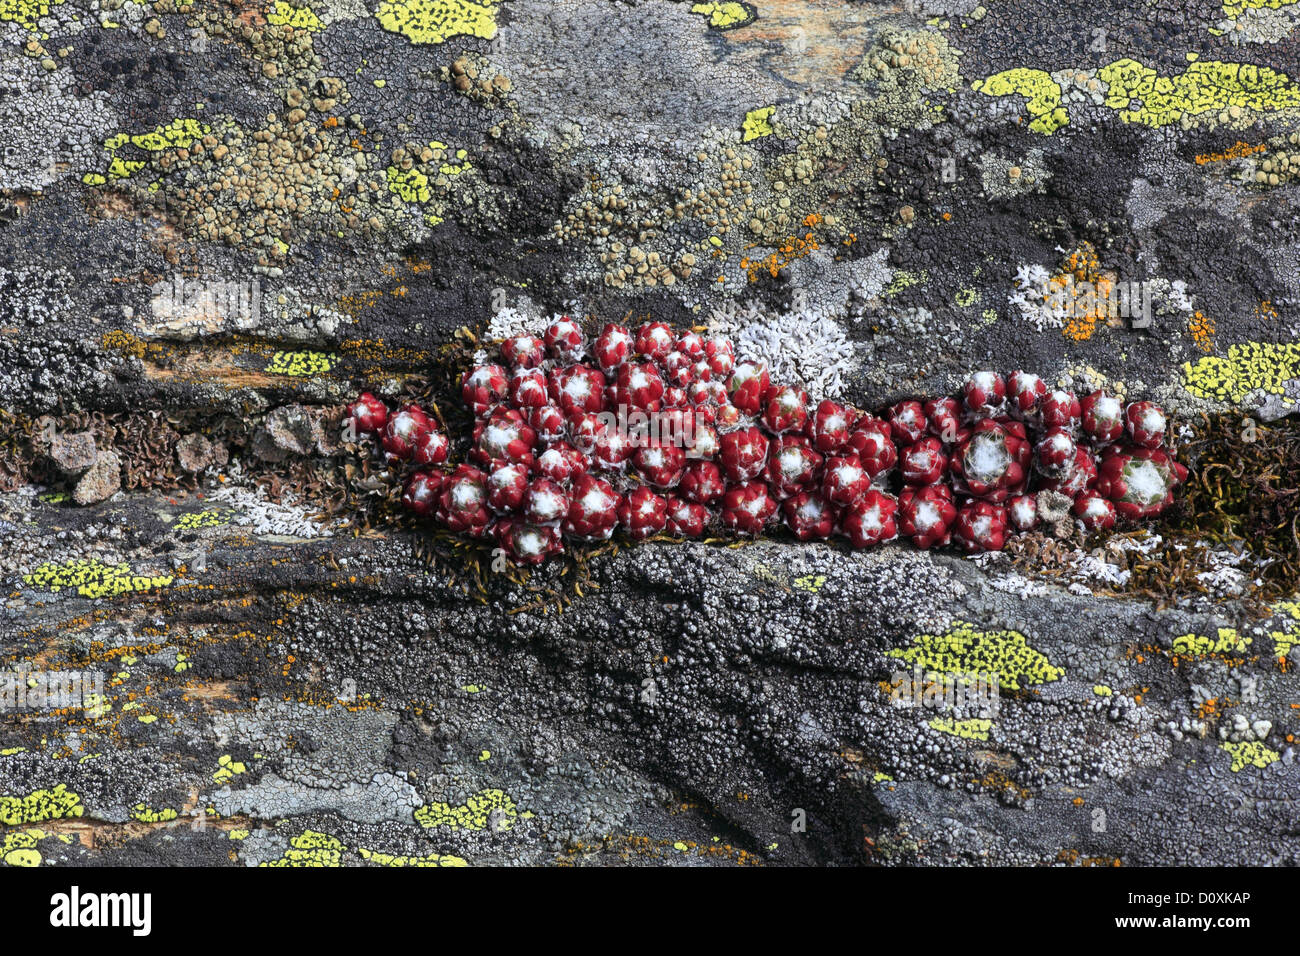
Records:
x=73, y=453
x=101, y=482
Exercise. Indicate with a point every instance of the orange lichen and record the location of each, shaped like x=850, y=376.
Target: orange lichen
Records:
x=1237, y=150
x=1202, y=328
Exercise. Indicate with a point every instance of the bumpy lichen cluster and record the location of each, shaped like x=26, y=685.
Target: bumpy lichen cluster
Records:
x=966, y=652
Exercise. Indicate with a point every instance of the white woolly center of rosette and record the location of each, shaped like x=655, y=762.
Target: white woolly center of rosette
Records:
x=847, y=473
x=1146, y=485
x=466, y=494
x=496, y=438
x=1152, y=421
x=530, y=542
x=755, y=505
x=595, y=500
x=982, y=526
x=546, y=504
x=647, y=508
x=987, y=457
x=791, y=462
x=871, y=520
x=927, y=516
x=404, y=426
x=1107, y=409
x=811, y=510
x=577, y=388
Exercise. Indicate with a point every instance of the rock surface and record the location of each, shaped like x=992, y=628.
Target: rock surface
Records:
x=876, y=201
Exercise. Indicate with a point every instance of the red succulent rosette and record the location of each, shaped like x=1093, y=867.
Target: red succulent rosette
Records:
x=923, y=463
x=1096, y=513
x=561, y=462
x=1139, y=481
x=810, y=516
x=686, y=519
x=484, y=386
x=545, y=502
x=593, y=509
x=785, y=409
x=528, y=388
x=640, y=386
x=1145, y=423
x=1025, y=393
x=872, y=442
x=980, y=526
x=983, y=394
x=523, y=351
x=565, y=341
x=655, y=340
x=742, y=453
x=528, y=544
x=506, y=486
x=1079, y=477
x=661, y=464
x=642, y=513
x=793, y=466
x=1022, y=512
x=577, y=389
x=844, y=480
x=747, y=386
x=927, y=514
x=943, y=418
x=1060, y=409
x=420, y=496
x=747, y=508
x=613, y=347
x=367, y=414
x=432, y=449
x=829, y=426
x=991, y=463
x=1102, y=417
x=504, y=436
x=405, y=431
x=701, y=483
x=907, y=422
x=463, y=502
x=720, y=356
x=871, y=520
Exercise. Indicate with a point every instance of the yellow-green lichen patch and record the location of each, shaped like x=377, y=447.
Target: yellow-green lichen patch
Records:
x=973, y=729
x=388, y=859
x=434, y=21
x=39, y=806
x=726, y=15
x=1235, y=8
x=25, y=12
x=227, y=769
x=19, y=848
x=194, y=520
x=178, y=134
x=409, y=185
x=93, y=578
x=474, y=814
x=966, y=653
x=1101, y=690
x=1289, y=636
x=311, y=848
x=758, y=123
x=1037, y=86
x=1206, y=86
x=300, y=18
x=1250, y=753
x=1248, y=367
x=147, y=814
x=881, y=777
x=300, y=364
x=1227, y=641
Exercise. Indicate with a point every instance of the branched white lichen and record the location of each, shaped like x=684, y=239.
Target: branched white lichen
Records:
x=804, y=348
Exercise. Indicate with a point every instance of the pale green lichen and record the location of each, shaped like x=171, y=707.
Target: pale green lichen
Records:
x=966, y=653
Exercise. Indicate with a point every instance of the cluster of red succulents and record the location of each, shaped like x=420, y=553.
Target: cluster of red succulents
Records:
x=549, y=461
